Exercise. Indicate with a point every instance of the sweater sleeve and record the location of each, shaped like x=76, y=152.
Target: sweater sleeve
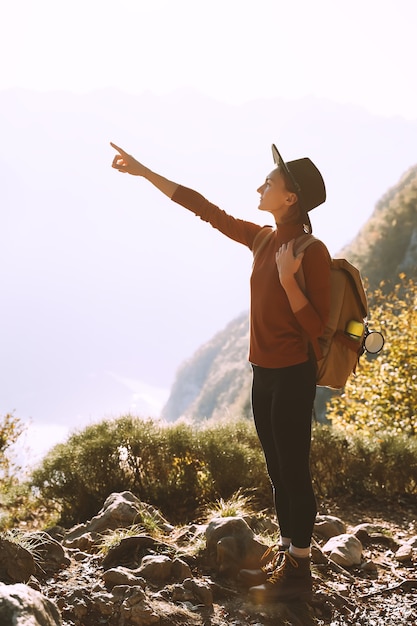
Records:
x=239, y=230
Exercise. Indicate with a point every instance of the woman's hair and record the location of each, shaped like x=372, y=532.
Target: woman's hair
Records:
x=295, y=213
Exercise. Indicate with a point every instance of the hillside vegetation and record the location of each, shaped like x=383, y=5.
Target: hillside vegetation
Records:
x=387, y=245
x=182, y=468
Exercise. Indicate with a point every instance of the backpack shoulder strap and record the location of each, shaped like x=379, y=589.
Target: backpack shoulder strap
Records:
x=301, y=243
x=356, y=281
x=262, y=237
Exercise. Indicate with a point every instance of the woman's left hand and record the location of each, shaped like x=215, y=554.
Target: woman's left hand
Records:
x=287, y=264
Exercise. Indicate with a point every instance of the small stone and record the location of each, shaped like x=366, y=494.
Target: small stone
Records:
x=412, y=542
x=180, y=570
x=328, y=526
x=201, y=591
x=157, y=568
x=404, y=553
x=345, y=550
x=317, y=556
x=122, y=576
x=367, y=528
x=369, y=567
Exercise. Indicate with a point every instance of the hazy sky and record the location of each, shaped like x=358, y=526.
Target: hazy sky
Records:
x=362, y=51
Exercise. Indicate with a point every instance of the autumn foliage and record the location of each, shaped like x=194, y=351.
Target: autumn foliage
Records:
x=382, y=397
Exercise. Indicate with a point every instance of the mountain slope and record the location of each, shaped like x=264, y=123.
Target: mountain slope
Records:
x=216, y=380
x=387, y=244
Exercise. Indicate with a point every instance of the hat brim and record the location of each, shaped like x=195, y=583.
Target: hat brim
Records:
x=279, y=162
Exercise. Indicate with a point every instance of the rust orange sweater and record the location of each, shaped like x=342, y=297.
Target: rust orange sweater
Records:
x=277, y=335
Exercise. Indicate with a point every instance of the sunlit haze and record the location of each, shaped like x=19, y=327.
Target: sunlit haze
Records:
x=108, y=287
x=361, y=52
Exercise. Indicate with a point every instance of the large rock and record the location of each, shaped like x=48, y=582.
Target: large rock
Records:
x=22, y=606
x=329, y=526
x=16, y=562
x=345, y=550
x=156, y=568
x=120, y=510
x=50, y=554
x=43, y=556
x=131, y=550
x=232, y=546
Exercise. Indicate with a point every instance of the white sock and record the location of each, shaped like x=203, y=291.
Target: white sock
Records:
x=300, y=553
x=285, y=543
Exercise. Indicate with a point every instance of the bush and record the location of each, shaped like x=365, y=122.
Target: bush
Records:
x=177, y=468
x=359, y=465
x=15, y=499
x=181, y=468
x=236, y=460
x=381, y=397
x=11, y=428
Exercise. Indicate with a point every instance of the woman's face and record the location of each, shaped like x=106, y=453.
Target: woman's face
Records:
x=275, y=197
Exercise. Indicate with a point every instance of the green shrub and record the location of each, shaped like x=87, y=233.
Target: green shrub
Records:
x=78, y=472
x=236, y=460
x=14, y=499
x=177, y=468
x=180, y=468
x=360, y=465
x=11, y=428
x=381, y=397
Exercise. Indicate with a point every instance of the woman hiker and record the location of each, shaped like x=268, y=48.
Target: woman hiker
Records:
x=284, y=321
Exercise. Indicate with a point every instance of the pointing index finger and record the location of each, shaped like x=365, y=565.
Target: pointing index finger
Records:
x=113, y=145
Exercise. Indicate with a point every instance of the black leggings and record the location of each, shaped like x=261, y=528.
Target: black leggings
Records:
x=282, y=403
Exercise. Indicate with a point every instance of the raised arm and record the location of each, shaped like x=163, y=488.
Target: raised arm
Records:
x=125, y=163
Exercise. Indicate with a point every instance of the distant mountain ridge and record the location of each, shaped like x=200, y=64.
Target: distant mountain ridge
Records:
x=215, y=381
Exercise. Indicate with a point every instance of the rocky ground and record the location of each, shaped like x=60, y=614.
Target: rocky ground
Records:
x=97, y=575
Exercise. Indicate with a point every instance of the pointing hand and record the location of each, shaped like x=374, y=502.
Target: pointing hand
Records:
x=125, y=163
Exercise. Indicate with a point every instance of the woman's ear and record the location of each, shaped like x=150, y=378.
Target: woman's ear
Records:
x=292, y=198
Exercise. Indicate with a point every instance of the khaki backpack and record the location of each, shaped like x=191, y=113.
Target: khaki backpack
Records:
x=337, y=352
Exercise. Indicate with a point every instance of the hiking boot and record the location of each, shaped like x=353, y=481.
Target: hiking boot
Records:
x=290, y=581
x=270, y=559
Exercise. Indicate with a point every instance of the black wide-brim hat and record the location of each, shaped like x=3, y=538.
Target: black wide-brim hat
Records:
x=307, y=181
